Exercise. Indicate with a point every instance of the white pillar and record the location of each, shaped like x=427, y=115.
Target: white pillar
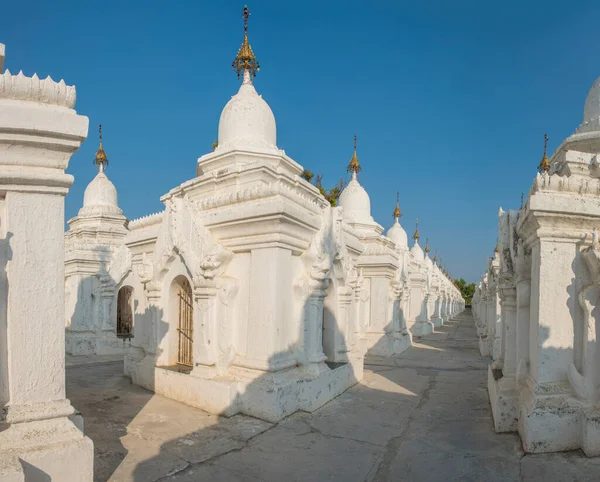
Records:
x=39, y=132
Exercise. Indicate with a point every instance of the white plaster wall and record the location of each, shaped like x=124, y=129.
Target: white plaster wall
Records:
x=554, y=306
x=36, y=287
x=239, y=268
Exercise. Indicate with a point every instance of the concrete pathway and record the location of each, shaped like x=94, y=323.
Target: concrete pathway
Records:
x=424, y=416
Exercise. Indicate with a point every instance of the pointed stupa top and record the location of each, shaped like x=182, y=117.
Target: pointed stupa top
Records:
x=496, y=249
x=397, y=212
x=416, y=236
x=245, y=60
x=435, y=258
x=100, y=196
x=396, y=233
x=544, y=163
x=427, y=245
x=246, y=122
x=101, y=160
x=354, y=165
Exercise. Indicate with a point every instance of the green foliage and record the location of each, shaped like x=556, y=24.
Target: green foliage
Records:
x=333, y=194
x=307, y=175
x=466, y=290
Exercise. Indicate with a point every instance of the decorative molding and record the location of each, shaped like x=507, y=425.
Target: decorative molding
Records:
x=32, y=89
x=145, y=221
x=260, y=192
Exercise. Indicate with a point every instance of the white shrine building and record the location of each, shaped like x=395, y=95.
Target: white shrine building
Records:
x=249, y=293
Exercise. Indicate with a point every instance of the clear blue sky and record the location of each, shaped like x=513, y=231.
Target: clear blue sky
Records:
x=450, y=100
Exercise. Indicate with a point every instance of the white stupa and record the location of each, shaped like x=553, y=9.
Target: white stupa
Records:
x=416, y=250
x=354, y=198
x=100, y=196
x=396, y=233
x=247, y=121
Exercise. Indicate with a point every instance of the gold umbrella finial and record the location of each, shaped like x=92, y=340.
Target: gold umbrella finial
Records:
x=245, y=60
x=101, y=160
x=496, y=250
x=427, y=245
x=354, y=165
x=544, y=163
x=435, y=257
x=416, y=236
x=397, y=212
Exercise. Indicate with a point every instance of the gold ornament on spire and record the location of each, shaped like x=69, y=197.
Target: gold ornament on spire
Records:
x=496, y=250
x=427, y=245
x=245, y=58
x=397, y=212
x=544, y=163
x=416, y=236
x=101, y=159
x=435, y=257
x=354, y=165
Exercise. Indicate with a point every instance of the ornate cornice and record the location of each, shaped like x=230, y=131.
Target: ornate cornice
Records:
x=145, y=221
x=46, y=91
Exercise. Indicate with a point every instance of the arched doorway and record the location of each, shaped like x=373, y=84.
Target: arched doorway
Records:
x=125, y=312
x=185, y=324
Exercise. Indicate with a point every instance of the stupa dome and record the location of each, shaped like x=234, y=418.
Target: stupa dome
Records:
x=397, y=234
x=100, y=197
x=591, y=110
x=247, y=120
x=356, y=203
x=428, y=262
x=417, y=252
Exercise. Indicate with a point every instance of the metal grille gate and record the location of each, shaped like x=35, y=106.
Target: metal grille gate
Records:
x=124, y=312
x=185, y=326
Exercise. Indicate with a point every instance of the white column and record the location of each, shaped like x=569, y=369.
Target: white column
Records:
x=39, y=132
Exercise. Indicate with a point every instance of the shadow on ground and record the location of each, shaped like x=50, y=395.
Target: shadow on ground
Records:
x=423, y=416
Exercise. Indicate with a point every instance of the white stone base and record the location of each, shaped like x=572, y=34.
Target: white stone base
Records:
x=390, y=344
x=45, y=450
x=504, y=400
x=422, y=328
x=549, y=423
x=95, y=343
x=590, y=443
x=270, y=397
x=437, y=322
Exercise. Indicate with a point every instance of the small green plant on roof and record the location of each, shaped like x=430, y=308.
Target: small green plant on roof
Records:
x=332, y=195
x=307, y=175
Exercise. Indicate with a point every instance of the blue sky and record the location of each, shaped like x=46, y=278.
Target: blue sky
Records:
x=450, y=100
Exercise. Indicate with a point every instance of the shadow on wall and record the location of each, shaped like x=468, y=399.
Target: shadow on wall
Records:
x=193, y=443
x=5, y=257
x=198, y=446
x=92, y=324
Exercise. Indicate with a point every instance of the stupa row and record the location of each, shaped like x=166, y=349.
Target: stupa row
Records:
x=250, y=292
x=537, y=305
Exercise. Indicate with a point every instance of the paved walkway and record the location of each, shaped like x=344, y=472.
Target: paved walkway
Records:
x=424, y=416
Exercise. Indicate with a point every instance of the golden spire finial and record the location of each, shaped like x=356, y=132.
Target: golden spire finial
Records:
x=496, y=250
x=416, y=236
x=101, y=159
x=544, y=163
x=245, y=59
x=397, y=212
x=354, y=165
x=427, y=245
x=435, y=257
